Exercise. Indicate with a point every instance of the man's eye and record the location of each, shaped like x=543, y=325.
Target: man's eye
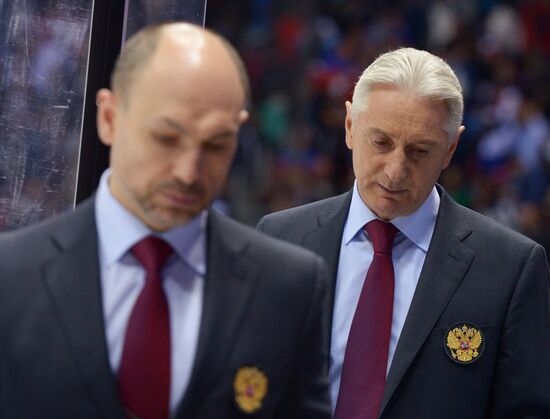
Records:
x=165, y=139
x=381, y=143
x=217, y=146
x=419, y=152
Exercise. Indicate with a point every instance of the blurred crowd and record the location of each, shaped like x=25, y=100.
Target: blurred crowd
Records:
x=304, y=58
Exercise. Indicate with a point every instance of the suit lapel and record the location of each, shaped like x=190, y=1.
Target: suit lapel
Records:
x=230, y=281
x=446, y=263
x=326, y=240
x=72, y=279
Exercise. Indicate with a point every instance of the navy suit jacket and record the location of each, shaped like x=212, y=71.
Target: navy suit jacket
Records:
x=264, y=307
x=476, y=272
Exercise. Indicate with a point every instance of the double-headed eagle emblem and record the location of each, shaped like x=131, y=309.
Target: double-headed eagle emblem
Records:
x=464, y=343
x=250, y=386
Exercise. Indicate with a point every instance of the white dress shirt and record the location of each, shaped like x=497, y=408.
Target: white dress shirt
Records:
x=409, y=252
x=122, y=278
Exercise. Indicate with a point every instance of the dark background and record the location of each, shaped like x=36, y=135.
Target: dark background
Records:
x=304, y=58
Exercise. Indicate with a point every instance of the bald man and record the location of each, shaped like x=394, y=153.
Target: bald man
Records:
x=144, y=302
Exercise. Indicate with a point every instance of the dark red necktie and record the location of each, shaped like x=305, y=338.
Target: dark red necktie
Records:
x=366, y=357
x=144, y=374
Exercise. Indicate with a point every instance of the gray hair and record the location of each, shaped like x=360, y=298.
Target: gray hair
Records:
x=419, y=72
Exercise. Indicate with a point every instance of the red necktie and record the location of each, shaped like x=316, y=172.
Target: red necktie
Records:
x=366, y=357
x=144, y=374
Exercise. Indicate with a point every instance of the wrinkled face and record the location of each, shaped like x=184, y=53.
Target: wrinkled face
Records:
x=399, y=148
x=172, y=145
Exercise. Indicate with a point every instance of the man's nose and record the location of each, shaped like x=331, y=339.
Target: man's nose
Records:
x=396, y=167
x=187, y=165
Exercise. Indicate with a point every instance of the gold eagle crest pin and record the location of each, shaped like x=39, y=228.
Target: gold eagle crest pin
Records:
x=250, y=386
x=464, y=343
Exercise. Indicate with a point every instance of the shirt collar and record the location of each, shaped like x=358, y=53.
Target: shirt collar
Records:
x=119, y=229
x=418, y=227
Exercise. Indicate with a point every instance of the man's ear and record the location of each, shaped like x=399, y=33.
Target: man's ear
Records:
x=243, y=116
x=107, y=106
x=349, y=125
x=452, y=147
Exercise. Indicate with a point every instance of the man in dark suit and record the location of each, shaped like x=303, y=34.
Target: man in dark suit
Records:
x=145, y=303
x=451, y=319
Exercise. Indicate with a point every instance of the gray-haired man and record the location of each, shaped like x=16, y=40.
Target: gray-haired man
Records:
x=438, y=312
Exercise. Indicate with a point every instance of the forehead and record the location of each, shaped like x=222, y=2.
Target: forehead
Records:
x=193, y=67
x=186, y=103
x=402, y=113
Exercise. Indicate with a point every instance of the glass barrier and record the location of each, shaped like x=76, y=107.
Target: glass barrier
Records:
x=43, y=70
x=44, y=52
x=140, y=13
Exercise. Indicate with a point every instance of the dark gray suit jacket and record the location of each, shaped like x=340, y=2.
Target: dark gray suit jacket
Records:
x=477, y=272
x=264, y=306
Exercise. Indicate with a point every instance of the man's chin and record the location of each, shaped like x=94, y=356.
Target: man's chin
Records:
x=388, y=209
x=169, y=219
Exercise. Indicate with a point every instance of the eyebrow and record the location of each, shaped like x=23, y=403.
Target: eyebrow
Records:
x=424, y=141
x=419, y=141
x=378, y=131
x=176, y=126
x=221, y=135
x=173, y=124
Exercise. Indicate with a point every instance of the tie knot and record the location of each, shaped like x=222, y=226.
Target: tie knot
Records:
x=152, y=252
x=381, y=234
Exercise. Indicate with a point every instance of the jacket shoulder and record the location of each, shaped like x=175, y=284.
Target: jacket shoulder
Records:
x=31, y=240
x=492, y=231
x=303, y=218
x=308, y=210
x=267, y=247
